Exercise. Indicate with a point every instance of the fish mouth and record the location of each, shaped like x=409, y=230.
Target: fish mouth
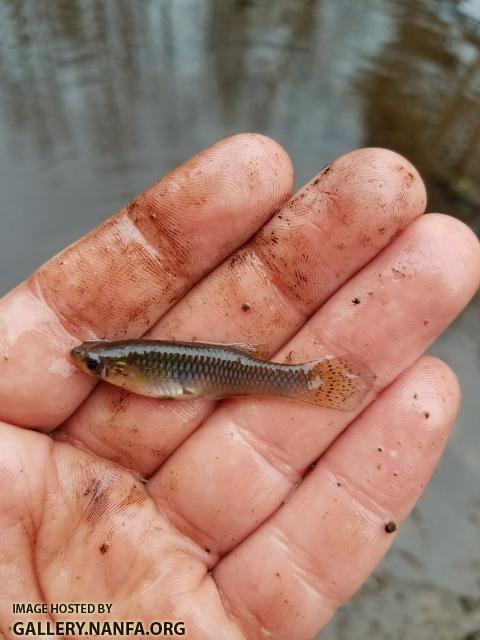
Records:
x=81, y=351
x=78, y=353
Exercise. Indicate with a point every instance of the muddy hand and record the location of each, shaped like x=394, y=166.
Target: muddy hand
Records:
x=222, y=535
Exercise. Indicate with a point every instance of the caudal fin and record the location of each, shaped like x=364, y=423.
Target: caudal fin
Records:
x=338, y=383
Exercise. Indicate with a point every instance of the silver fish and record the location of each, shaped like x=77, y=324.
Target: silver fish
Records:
x=184, y=370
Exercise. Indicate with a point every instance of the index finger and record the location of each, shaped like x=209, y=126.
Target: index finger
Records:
x=119, y=279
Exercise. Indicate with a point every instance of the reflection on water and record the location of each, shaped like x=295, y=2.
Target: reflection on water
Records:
x=424, y=101
x=122, y=83
x=100, y=97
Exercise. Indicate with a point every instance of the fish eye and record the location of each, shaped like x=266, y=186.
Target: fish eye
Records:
x=93, y=364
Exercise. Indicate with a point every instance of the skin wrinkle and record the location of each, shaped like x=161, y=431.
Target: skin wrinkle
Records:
x=184, y=527
x=240, y=608
x=293, y=291
x=37, y=508
x=226, y=605
x=284, y=302
x=158, y=228
x=250, y=439
x=37, y=583
x=361, y=501
x=301, y=570
x=240, y=617
x=99, y=438
x=259, y=444
x=267, y=277
x=35, y=288
x=219, y=545
x=31, y=539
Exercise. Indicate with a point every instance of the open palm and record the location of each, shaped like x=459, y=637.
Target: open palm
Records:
x=252, y=517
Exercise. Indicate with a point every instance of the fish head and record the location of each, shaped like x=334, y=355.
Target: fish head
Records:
x=99, y=360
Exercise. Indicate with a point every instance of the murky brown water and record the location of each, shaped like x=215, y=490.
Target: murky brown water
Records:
x=99, y=97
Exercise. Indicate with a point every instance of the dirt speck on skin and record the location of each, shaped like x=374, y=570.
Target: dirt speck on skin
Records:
x=400, y=272
x=119, y=401
x=356, y=301
x=246, y=307
x=390, y=526
x=136, y=495
x=159, y=453
x=104, y=548
x=326, y=169
x=239, y=258
x=274, y=239
x=173, y=481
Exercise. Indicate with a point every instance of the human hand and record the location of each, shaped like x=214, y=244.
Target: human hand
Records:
x=235, y=531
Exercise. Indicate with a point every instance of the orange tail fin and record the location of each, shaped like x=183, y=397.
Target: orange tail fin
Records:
x=338, y=383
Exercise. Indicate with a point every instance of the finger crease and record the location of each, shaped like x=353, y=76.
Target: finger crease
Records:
x=290, y=549
x=371, y=509
x=269, y=451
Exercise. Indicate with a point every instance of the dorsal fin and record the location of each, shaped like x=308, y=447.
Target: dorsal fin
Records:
x=259, y=351
x=254, y=350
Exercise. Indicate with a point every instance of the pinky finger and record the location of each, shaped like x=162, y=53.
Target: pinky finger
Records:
x=287, y=579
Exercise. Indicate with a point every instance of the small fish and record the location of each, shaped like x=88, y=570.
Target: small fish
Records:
x=184, y=370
